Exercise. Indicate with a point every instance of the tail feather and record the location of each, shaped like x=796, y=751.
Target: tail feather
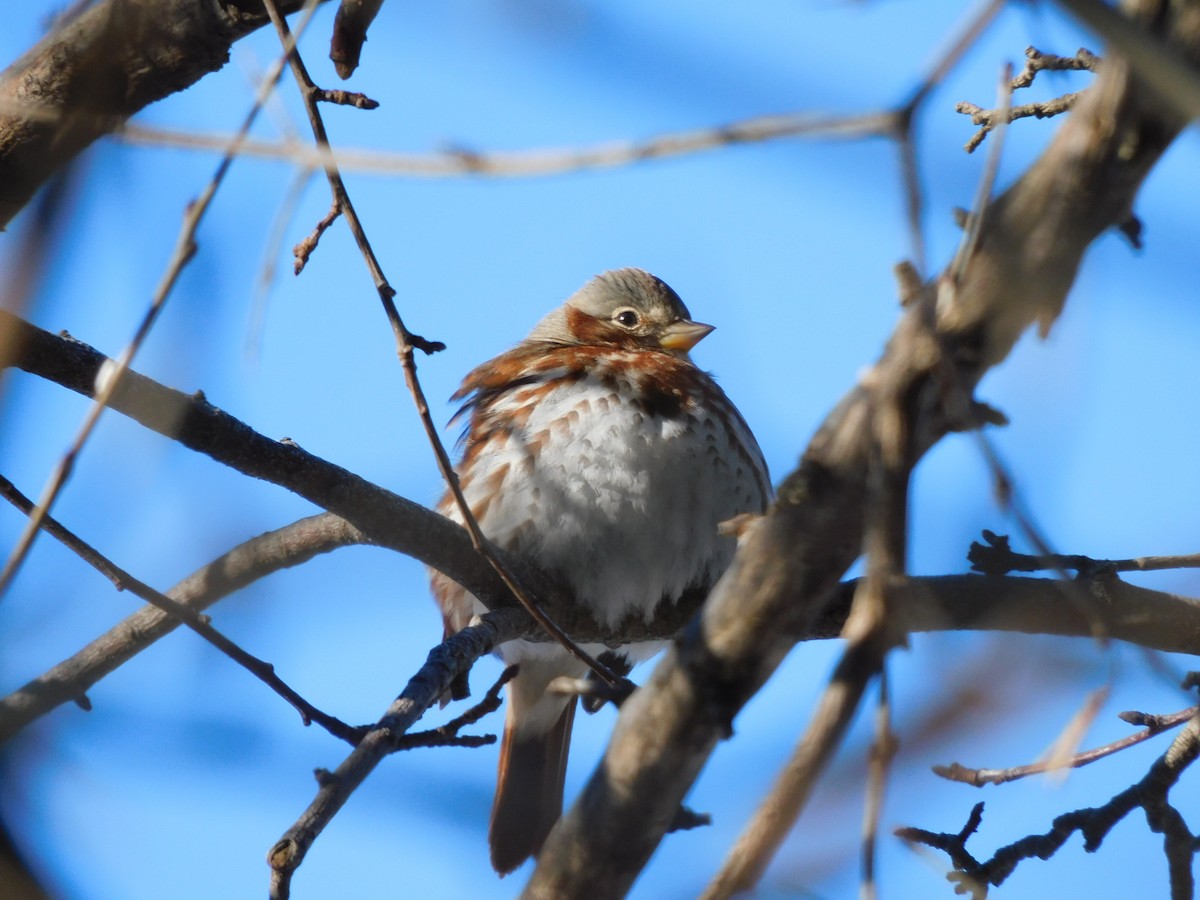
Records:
x=529, y=786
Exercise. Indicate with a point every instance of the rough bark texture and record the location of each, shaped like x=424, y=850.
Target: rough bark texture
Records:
x=96, y=70
x=1031, y=245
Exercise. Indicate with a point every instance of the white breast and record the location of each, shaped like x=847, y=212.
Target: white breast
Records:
x=622, y=504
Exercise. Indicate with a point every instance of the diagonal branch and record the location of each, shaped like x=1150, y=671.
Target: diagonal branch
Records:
x=254, y=559
x=406, y=342
x=184, y=251
x=183, y=614
x=1155, y=725
x=789, y=562
x=385, y=518
x=445, y=662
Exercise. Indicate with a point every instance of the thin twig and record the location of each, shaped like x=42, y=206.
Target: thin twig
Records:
x=197, y=622
x=1035, y=61
x=345, y=98
x=532, y=163
x=445, y=662
x=1155, y=725
x=303, y=250
x=250, y=561
x=406, y=341
x=185, y=249
x=990, y=119
x=1084, y=60
x=1150, y=794
x=987, y=182
x=448, y=735
x=998, y=558
x=883, y=751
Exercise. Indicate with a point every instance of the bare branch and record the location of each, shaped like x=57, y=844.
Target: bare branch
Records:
x=1155, y=725
x=1151, y=794
x=350, y=26
x=345, y=98
x=448, y=735
x=99, y=68
x=256, y=558
x=788, y=563
x=444, y=664
x=1084, y=60
x=1035, y=61
x=998, y=558
x=990, y=119
x=183, y=614
x=303, y=250
x=110, y=377
x=462, y=162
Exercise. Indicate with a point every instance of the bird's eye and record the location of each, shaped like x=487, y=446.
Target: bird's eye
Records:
x=626, y=318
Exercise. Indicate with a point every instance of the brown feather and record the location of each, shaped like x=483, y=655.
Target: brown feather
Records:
x=607, y=459
x=529, y=789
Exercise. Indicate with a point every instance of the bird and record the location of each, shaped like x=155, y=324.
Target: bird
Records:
x=599, y=452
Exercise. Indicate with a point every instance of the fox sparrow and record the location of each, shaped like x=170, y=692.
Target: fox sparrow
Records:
x=597, y=450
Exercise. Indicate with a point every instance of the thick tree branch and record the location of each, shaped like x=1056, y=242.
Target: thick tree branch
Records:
x=787, y=567
x=389, y=520
x=354, y=17
x=98, y=69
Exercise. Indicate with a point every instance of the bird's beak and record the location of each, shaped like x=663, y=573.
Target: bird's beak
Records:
x=683, y=335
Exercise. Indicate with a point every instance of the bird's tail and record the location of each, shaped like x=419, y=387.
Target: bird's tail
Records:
x=533, y=766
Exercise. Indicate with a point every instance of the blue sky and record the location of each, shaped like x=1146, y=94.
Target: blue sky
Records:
x=188, y=770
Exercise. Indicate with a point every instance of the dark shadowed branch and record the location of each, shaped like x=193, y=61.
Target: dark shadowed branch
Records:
x=444, y=664
x=1151, y=794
